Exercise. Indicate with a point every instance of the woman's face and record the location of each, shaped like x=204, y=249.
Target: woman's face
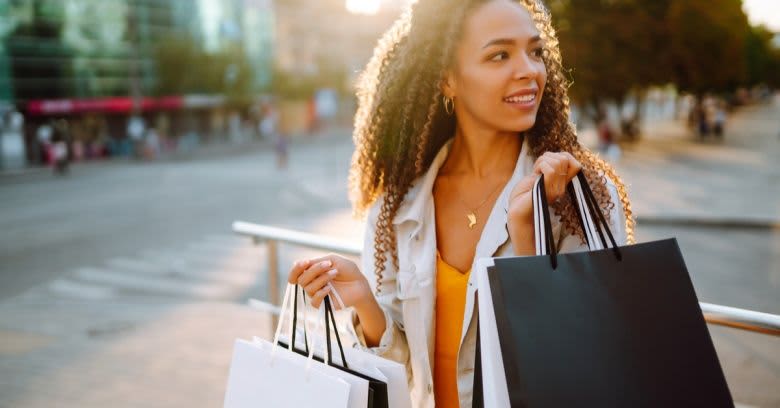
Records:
x=499, y=75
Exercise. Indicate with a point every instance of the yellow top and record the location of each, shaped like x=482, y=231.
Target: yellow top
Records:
x=450, y=302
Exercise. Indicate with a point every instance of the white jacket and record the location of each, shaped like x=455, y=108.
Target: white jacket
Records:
x=408, y=294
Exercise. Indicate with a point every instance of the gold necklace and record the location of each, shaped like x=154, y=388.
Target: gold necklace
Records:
x=471, y=215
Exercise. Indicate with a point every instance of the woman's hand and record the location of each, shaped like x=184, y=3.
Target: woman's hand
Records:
x=315, y=274
x=558, y=170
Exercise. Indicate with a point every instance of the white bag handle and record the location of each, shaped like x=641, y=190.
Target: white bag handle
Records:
x=585, y=207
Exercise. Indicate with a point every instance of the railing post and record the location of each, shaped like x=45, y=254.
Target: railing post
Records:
x=272, y=248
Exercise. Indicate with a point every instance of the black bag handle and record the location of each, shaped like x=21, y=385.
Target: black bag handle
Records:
x=330, y=317
x=591, y=204
x=295, y=319
x=594, y=208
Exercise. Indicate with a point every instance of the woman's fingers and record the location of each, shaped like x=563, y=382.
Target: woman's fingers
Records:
x=574, y=166
x=319, y=282
x=297, y=269
x=558, y=169
x=316, y=299
x=315, y=270
x=554, y=182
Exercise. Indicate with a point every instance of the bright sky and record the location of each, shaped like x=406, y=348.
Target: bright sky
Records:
x=363, y=6
x=765, y=12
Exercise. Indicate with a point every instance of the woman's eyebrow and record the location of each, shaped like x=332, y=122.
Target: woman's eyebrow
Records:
x=510, y=41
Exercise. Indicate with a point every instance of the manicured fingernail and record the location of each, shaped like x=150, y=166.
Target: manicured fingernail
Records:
x=325, y=264
x=332, y=272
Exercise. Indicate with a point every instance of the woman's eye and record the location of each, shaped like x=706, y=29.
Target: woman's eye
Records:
x=495, y=57
x=538, y=52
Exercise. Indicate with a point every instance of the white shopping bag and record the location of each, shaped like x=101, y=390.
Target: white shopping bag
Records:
x=264, y=374
x=390, y=372
x=261, y=378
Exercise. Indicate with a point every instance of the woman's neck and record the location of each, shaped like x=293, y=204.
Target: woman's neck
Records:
x=482, y=153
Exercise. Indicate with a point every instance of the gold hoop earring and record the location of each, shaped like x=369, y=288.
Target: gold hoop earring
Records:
x=449, y=104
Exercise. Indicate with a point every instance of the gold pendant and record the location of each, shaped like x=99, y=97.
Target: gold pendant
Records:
x=472, y=219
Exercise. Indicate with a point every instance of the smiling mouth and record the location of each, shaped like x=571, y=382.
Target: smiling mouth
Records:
x=529, y=98
x=525, y=102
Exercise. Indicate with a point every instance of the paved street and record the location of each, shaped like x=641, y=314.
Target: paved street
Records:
x=122, y=284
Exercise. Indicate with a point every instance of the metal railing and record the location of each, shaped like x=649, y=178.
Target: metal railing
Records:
x=714, y=314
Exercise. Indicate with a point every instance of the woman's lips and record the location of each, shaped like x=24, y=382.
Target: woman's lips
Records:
x=522, y=101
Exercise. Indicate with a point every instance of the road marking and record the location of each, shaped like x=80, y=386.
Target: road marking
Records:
x=81, y=290
x=177, y=287
x=184, y=270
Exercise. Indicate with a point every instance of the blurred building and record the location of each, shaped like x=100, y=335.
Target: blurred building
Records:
x=312, y=36
x=91, y=64
x=87, y=48
x=320, y=48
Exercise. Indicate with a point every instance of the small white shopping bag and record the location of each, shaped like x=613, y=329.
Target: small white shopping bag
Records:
x=265, y=374
x=260, y=377
x=390, y=372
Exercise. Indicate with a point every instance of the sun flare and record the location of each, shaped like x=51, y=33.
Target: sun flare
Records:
x=363, y=6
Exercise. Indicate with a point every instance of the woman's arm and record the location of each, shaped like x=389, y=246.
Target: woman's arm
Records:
x=372, y=319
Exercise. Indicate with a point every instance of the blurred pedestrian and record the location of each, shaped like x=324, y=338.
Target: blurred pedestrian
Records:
x=44, y=135
x=136, y=128
x=703, y=125
x=269, y=122
x=60, y=152
x=719, y=119
x=280, y=147
x=151, y=144
x=605, y=132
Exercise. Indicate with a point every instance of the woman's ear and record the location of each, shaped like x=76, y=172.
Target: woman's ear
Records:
x=447, y=84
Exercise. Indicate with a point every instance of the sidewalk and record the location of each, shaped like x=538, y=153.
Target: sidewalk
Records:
x=672, y=177
x=120, y=355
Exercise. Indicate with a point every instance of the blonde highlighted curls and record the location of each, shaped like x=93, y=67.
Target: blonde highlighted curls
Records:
x=401, y=123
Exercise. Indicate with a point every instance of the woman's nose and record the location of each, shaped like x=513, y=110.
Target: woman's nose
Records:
x=525, y=68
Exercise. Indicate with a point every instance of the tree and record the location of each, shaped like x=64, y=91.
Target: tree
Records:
x=613, y=47
x=761, y=57
x=183, y=67
x=707, y=40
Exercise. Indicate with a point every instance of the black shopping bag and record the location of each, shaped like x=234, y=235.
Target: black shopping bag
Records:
x=614, y=327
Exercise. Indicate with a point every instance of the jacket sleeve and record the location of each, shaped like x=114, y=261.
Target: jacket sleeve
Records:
x=393, y=344
x=616, y=220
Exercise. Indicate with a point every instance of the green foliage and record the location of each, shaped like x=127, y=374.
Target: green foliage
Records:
x=296, y=86
x=183, y=68
x=618, y=47
x=707, y=39
x=763, y=61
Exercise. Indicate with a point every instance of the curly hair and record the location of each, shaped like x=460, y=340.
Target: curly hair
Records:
x=401, y=120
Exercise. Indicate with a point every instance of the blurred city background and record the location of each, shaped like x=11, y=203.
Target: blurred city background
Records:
x=133, y=133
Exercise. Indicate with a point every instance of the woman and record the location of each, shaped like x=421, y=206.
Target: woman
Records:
x=461, y=109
